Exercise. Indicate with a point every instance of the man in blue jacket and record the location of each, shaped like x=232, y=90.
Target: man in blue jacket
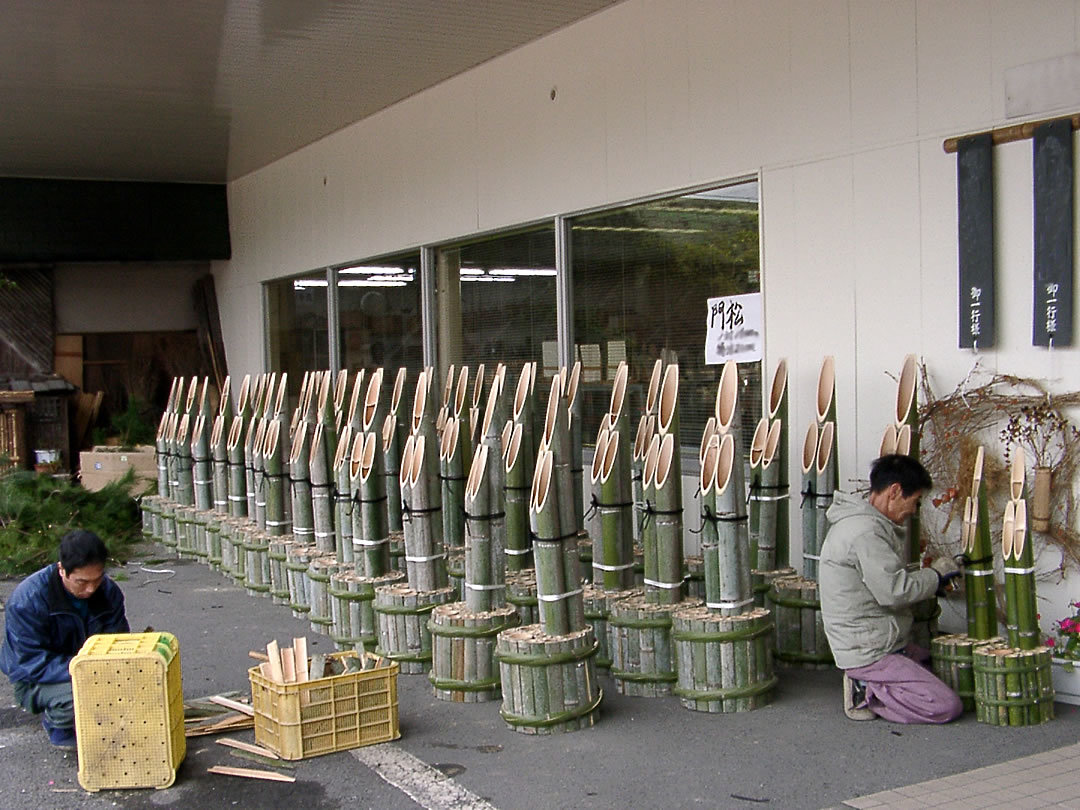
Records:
x=49, y=616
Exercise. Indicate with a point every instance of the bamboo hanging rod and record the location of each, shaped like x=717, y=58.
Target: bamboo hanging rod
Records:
x=1016, y=132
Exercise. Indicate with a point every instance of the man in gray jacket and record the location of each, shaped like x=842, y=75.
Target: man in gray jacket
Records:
x=866, y=599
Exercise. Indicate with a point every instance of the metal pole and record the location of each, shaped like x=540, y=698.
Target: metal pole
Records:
x=428, y=321
x=333, y=320
x=564, y=293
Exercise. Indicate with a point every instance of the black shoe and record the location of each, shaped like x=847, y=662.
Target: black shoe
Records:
x=855, y=700
x=60, y=737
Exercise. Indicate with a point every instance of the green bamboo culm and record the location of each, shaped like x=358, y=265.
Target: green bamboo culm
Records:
x=185, y=481
x=1022, y=568
x=344, y=499
x=557, y=442
x=710, y=538
x=518, y=546
x=825, y=481
x=645, y=430
x=648, y=532
x=613, y=549
x=907, y=422
x=732, y=568
x=276, y=490
x=322, y=504
x=373, y=541
x=667, y=589
x=757, y=454
x=523, y=413
x=770, y=498
x=219, y=452
x=485, y=560
x=452, y=473
x=982, y=618
x=302, y=517
x=575, y=409
x=778, y=413
x=808, y=502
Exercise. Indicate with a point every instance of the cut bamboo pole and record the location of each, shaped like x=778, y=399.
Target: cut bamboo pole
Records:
x=516, y=466
x=557, y=441
x=1012, y=603
x=185, y=480
x=731, y=569
x=344, y=500
x=321, y=496
x=888, y=441
x=710, y=538
x=771, y=496
x=979, y=566
x=371, y=534
x=613, y=549
x=648, y=525
x=302, y=515
x=275, y=522
x=777, y=411
x=652, y=392
x=757, y=453
x=808, y=503
x=553, y=586
x=575, y=411
x=392, y=444
x=485, y=560
x=668, y=587
x=1022, y=568
x=646, y=428
x=202, y=477
x=452, y=473
x=825, y=484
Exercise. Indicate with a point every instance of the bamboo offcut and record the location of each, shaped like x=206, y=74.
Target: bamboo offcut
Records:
x=1013, y=687
x=463, y=643
x=401, y=613
x=800, y=629
x=952, y=659
x=642, y=650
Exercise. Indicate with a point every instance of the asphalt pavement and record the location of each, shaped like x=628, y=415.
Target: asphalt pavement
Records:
x=798, y=752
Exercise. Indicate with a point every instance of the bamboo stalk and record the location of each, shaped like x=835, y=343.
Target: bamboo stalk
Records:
x=557, y=583
x=668, y=587
x=392, y=444
x=557, y=441
x=979, y=569
x=452, y=474
x=825, y=468
x=757, y=452
x=1023, y=566
x=1012, y=603
x=771, y=497
x=344, y=500
x=652, y=392
x=321, y=496
x=275, y=522
x=733, y=542
x=648, y=525
x=613, y=557
x=574, y=405
x=518, y=547
x=777, y=411
x=810, y=539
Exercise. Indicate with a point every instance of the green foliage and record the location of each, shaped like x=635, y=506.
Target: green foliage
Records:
x=132, y=425
x=37, y=510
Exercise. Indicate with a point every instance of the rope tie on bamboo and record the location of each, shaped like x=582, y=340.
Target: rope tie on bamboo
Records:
x=199, y=483
x=558, y=597
x=553, y=540
x=965, y=560
x=811, y=556
x=473, y=587
x=1020, y=571
x=604, y=508
x=509, y=488
x=453, y=477
x=667, y=586
x=273, y=524
x=603, y=567
x=359, y=541
x=428, y=558
x=780, y=488
x=492, y=516
x=649, y=511
x=517, y=552
x=707, y=514
x=741, y=603
x=407, y=511
x=810, y=494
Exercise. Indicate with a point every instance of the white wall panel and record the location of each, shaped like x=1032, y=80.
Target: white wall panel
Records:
x=711, y=37
x=622, y=67
x=1026, y=32
x=667, y=94
x=954, y=67
x=820, y=112
x=883, y=56
x=888, y=289
x=760, y=66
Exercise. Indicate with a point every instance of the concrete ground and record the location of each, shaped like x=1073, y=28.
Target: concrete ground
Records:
x=799, y=752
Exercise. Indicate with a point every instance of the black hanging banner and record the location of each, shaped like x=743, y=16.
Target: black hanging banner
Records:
x=975, y=220
x=1052, y=149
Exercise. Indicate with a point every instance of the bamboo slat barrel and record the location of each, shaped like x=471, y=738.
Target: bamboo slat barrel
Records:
x=585, y=556
x=402, y=614
x=1013, y=687
x=549, y=683
x=597, y=612
x=319, y=570
x=521, y=593
x=800, y=630
x=213, y=541
x=455, y=569
x=277, y=553
x=642, y=651
x=725, y=663
x=201, y=518
x=297, y=558
x=397, y=550
x=235, y=536
x=147, y=508
x=257, y=561
x=344, y=607
x=952, y=659
x=228, y=561
x=463, y=665
x=168, y=524
x=185, y=545
x=761, y=582
x=362, y=610
x=924, y=625
x=154, y=510
x=695, y=577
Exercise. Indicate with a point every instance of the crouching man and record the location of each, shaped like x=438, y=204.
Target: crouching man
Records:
x=867, y=596
x=49, y=616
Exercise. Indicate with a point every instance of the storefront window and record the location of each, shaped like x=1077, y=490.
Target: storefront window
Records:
x=641, y=278
x=379, y=311
x=297, y=323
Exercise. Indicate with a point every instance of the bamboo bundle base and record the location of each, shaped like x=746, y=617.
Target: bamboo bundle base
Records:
x=585, y=556
x=521, y=593
x=352, y=597
x=202, y=519
x=168, y=524
x=549, y=683
x=297, y=558
x=639, y=565
x=237, y=555
x=1013, y=687
x=397, y=550
x=924, y=626
x=724, y=662
x=225, y=530
x=695, y=577
x=401, y=614
x=762, y=581
x=455, y=569
x=952, y=658
x=642, y=651
x=148, y=509
x=257, y=562
x=463, y=666
x=213, y=541
x=319, y=571
x=156, y=525
x=597, y=611
x=185, y=525
x=278, y=555
x=800, y=631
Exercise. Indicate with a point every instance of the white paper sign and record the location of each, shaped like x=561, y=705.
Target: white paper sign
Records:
x=733, y=329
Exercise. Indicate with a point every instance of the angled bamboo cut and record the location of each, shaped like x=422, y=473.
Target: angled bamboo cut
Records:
x=517, y=469
x=613, y=548
x=982, y=620
x=777, y=411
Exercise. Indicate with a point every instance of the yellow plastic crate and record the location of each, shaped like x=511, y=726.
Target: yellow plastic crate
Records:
x=299, y=720
x=129, y=710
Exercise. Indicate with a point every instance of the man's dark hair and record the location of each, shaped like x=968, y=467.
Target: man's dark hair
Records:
x=80, y=547
x=903, y=470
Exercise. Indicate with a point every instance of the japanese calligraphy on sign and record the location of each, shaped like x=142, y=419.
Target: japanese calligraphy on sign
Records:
x=733, y=329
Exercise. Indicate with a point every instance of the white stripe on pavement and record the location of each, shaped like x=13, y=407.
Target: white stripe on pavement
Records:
x=427, y=786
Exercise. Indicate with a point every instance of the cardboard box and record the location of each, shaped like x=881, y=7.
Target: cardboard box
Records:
x=103, y=465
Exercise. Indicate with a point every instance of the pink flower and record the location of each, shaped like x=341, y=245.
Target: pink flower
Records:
x=1049, y=642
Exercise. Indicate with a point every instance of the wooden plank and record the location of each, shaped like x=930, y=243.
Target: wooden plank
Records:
x=236, y=706
x=288, y=665
x=258, y=656
x=235, y=722
x=273, y=655
x=249, y=747
x=300, y=655
x=249, y=773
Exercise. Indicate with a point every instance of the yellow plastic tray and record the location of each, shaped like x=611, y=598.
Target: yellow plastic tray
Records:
x=129, y=710
x=298, y=720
